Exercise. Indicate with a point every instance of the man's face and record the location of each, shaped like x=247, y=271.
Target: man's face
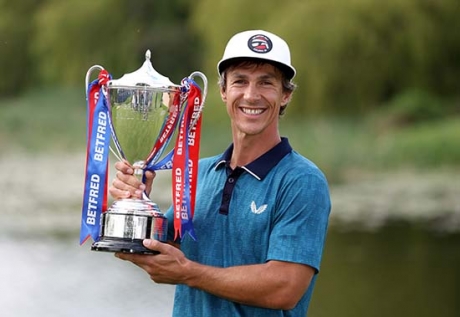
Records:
x=253, y=96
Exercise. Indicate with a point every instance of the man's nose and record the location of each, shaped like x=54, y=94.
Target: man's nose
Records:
x=252, y=93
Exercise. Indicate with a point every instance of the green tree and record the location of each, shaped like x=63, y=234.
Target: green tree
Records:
x=15, y=34
x=351, y=56
x=45, y=42
x=73, y=35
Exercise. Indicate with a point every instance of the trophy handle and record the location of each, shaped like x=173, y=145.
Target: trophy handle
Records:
x=203, y=96
x=88, y=76
x=87, y=80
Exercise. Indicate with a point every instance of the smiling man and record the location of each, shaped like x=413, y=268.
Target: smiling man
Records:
x=261, y=210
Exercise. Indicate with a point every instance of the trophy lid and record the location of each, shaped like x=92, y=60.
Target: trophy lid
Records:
x=144, y=76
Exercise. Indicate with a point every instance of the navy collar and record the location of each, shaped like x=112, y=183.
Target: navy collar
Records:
x=260, y=167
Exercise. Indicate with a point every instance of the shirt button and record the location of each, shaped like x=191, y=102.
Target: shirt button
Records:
x=231, y=180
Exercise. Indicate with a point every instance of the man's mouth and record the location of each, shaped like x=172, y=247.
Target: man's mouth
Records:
x=252, y=111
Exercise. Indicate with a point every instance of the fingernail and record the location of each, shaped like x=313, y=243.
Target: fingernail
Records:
x=138, y=192
x=142, y=187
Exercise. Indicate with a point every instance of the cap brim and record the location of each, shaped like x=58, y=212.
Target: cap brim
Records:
x=288, y=71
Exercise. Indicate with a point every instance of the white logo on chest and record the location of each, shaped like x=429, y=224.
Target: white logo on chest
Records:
x=256, y=210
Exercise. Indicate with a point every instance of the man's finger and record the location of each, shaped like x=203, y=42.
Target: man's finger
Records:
x=129, y=180
x=124, y=167
x=149, y=177
x=155, y=245
x=118, y=193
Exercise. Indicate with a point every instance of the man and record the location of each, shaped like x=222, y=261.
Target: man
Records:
x=262, y=209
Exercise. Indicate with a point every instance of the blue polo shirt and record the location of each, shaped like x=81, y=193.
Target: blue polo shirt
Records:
x=275, y=208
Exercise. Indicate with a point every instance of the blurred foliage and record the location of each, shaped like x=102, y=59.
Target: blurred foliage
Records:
x=56, y=122
x=351, y=56
x=414, y=106
x=424, y=145
x=15, y=36
x=44, y=120
x=73, y=35
x=65, y=38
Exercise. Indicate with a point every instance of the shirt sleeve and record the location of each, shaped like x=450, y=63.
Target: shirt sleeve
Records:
x=301, y=220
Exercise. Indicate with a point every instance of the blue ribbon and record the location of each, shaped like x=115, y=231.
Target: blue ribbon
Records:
x=95, y=192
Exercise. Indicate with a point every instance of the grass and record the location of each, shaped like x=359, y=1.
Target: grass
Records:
x=343, y=145
x=47, y=120
x=44, y=120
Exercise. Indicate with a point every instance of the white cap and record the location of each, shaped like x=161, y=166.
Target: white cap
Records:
x=258, y=44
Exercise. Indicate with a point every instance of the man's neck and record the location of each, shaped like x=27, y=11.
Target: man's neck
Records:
x=246, y=148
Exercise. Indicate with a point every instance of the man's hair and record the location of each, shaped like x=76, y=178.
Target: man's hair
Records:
x=288, y=85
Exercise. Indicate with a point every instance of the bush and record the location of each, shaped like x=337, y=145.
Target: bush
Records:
x=15, y=35
x=414, y=106
x=351, y=56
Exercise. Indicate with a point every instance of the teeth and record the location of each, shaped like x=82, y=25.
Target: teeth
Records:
x=252, y=111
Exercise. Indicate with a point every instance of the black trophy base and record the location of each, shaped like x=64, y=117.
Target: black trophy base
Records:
x=121, y=245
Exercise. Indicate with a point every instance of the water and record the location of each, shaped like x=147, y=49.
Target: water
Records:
x=400, y=270
x=56, y=277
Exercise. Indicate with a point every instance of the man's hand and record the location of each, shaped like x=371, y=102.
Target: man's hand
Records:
x=168, y=267
x=126, y=185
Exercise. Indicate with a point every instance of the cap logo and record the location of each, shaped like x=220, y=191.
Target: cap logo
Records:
x=260, y=43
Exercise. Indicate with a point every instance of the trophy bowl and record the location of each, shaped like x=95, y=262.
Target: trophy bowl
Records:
x=140, y=107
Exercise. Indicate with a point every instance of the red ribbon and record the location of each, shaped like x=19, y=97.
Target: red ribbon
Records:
x=185, y=164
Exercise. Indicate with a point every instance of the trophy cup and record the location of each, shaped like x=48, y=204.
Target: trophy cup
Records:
x=143, y=110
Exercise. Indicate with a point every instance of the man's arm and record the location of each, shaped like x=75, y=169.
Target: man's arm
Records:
x=274, y=284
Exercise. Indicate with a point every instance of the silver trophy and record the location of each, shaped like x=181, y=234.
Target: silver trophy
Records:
x=140, y=105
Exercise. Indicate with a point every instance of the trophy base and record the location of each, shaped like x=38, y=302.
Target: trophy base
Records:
x=127, y=223
x=121, y=245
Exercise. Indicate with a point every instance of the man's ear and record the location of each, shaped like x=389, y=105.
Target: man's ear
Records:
x=223, y=94
x=286, y=98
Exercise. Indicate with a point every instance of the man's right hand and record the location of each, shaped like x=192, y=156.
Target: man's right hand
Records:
x=126, y=185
